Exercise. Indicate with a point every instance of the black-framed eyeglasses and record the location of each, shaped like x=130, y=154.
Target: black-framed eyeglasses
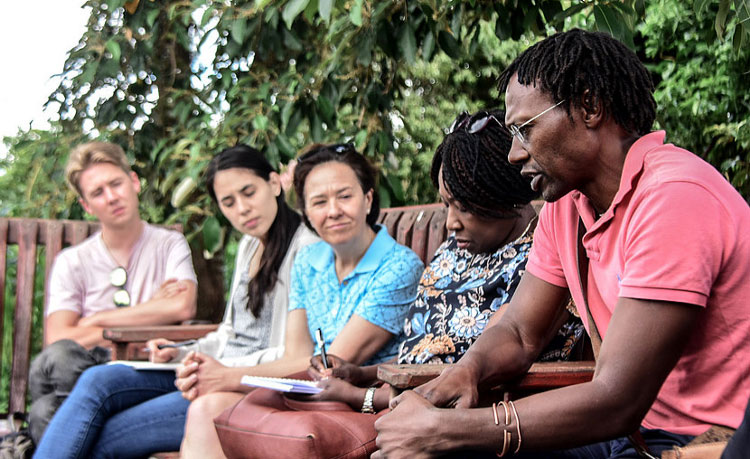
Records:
x=118, y=278
x=517, y=131
x=338, y=149
x=473, y=124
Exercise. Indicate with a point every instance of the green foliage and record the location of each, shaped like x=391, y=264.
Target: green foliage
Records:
x=174, y=82
x=702, y=92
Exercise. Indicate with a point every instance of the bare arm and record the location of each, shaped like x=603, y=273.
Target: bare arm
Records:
x=65, y=325
x=635, y=359
x=162, y=309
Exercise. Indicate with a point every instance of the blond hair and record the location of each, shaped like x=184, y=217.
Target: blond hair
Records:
x=87, y=154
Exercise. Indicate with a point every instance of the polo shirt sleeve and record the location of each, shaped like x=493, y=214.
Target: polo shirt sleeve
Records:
x=674, y=244
x=392, y=290
x=179, y=261
x=65, y=289
x=544, y=260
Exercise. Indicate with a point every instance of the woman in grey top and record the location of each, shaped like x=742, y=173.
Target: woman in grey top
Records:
x=113, y=404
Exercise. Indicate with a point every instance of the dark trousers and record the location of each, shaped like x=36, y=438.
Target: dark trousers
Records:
x=52, y=375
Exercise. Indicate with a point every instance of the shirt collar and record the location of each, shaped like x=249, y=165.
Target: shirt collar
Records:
x=322, y=254
x=631, y=170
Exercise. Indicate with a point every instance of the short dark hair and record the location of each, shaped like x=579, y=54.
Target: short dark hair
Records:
x=281, y=232
x=343, y=153
x=476, y=168
x=567, y=64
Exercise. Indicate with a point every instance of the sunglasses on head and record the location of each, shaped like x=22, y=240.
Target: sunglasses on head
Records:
x=473, y=124
x=118, y=278
x=338, y=149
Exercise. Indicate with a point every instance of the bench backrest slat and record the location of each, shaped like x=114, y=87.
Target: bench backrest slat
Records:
x=27, y=244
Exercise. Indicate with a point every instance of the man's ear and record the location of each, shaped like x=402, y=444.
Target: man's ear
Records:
x=592, y=110
x=136, y=181
x=85, y=206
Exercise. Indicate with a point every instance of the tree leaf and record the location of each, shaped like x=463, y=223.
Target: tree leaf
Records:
x=721, y=18
x=292, y=10
x=699, y=6
x=408, y=43
x=428, y=45
x=355, y=14
x=324, y=9
x=449, y=44
x=239, y=26
x=151, y=17
x=113, y=48
x=212, y=235
x=326, y=110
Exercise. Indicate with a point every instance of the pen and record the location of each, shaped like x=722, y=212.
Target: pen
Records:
x=322, y=344
x=177, y=344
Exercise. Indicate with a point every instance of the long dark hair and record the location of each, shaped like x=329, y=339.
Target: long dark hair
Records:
x=346, y=154
x=282, y=229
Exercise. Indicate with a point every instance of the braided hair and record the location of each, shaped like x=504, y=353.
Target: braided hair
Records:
x=476, y=169
x=568, y=64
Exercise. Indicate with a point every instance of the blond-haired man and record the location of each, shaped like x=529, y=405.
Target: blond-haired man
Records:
x=129, y=273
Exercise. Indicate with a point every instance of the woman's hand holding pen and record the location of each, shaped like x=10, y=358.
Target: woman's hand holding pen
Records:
x=164, y=354
x=337, y=367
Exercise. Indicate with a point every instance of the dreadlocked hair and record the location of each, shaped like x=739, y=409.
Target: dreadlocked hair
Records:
x=477, y=172
x=281, y=232
x=568, y=64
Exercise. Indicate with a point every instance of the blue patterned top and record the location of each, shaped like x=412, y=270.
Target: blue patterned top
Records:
x=379, y=289
x=457, y=294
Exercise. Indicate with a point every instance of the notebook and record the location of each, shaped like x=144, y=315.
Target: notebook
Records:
x=297, y=386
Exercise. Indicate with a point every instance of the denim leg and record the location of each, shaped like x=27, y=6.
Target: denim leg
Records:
x=149, y=427
x=619, y=448
x=100, y=393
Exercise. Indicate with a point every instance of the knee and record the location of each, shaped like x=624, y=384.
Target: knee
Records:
x=205, y=408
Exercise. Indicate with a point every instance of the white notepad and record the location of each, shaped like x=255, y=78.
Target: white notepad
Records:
x=297, y=386
x=146, y=365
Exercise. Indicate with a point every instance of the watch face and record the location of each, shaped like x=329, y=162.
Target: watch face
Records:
x=122, y=298
x=118, y=276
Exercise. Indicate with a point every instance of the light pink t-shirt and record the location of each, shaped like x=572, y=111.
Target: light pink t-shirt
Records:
x=79, y=280
x=676, y=231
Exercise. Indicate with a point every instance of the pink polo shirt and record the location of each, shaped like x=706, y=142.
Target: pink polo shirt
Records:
x=676, y=231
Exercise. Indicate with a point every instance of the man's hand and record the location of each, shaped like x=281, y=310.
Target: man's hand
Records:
x=455, y=387
x=170, y=288
x=337, y=367
x=160, y=355
x=411, y=418
x=200, y=374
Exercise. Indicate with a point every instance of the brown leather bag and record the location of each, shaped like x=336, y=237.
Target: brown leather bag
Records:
x=267, y=424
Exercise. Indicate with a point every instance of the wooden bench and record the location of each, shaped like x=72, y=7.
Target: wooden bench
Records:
x=23, y=243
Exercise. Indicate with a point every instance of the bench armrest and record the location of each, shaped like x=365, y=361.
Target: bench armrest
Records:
x=541, y=376
x=128, y=342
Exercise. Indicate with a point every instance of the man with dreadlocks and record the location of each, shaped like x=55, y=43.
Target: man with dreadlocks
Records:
x=653, y=245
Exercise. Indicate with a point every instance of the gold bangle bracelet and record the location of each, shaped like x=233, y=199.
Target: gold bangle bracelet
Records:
x=518, y=427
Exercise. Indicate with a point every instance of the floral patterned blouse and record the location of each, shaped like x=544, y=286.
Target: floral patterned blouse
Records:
x=457, y=294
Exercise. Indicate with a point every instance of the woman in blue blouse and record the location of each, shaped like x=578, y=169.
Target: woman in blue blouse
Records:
x=474, y=272
x=356, y=285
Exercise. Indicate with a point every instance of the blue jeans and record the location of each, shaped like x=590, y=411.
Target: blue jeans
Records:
x=619, y=448
x=116, y=411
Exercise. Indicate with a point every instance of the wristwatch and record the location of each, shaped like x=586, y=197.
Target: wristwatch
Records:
x=367, y=407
